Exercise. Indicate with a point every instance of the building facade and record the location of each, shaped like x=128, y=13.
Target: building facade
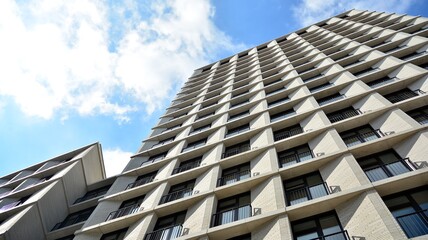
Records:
x=319, y=134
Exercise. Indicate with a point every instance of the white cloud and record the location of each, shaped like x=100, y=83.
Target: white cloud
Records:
x=311, y=11
x=115, y=160
x=94, y=58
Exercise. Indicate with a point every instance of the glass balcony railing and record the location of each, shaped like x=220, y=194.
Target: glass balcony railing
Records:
x=168, y=233
x=231, y=215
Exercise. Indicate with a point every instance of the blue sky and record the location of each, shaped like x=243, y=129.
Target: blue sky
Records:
x=79, y=71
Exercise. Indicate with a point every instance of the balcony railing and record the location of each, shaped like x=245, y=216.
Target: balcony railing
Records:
x=387, y=170
x=234, y=151
x=193, y=146
x=234, y=177
x=336, y=117
x=343, y=235
x=275, y=91
x=123, y=212
x=414, y=224
x=282, y=115
x=320, y=87
x=71, y=221
x=153, y=159
x=140, y=182
x=294, y=158
x=306, y=193
x=239, y=103
x=330, y=99
x=231, y=215
x=186, y=167
x=312, y=78
x=286, y=134
x=279, y=101
x=403, y=95
x=380, y=82
x=176, y=195
x=163, y=142
x=239, y=115
x=236, y=131
x=168, y=233
x=358, y=138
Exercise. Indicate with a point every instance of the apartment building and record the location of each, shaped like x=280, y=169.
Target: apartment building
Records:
x=319, y=134
x=52, y=199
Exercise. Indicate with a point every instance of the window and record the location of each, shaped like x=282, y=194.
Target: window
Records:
x=282, y=115
x=236, y=149
x=74, y=218
x=304, y=188
x=172, y=128
x=155, y=158
x=232, y=209
x=178, y=191
x=343, y=114
x=205, y=115
x=127, y=207
x=383, y=165
x=117, y=235
x=287, y=132
x=237, y=130
x=234, y=174
x=410, y=210
x=312, y=78
x=143, y=179
x=93, y=194
x=365, y=71
x=322, y=226
x=187, y=165
x=420, y=115
x=379, y=82
x=294, y=155
x=330, y=99
x=239, y=103
x=168, y=227
x=402, y=95
x=360, y=135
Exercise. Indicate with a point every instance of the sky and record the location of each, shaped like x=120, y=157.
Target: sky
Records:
x=77, y=72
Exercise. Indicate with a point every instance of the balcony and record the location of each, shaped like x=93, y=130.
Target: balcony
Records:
x=414, y=224
x=154, y=158
x=362, y=137
x=234, y=177
x=403, y=95
x=343, y=114
x=379, y=82
x=200, y=129
x=187, y=166
x=141, y=182
x=168, y=233
x=239, y=104
x=320, y=87
x=238, y=130
x=123, y=212
x=278, y=102
x=365, y=71
x=330, y=99
x=290, y=159
x=176, y=195
x=387, y=170
x=166, y=141
x=194, y=145
x=231, y=215
x=239, y=115
x=286, y=133
x=235, y=150
x=343, y=235
x=282, y=115
x=304, y=194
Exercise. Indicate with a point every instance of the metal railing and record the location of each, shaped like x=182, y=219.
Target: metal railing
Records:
x=234, y=151
x=403, y=95
x=140, y=182
x=343, y=115
x=312, y=78
x=286, y=134
x=304, y=194
x=320, y=87
x=282, y=115
x=239, y=115
x=153, y=159
x=365, y=71
x=380, y=82
x=330, y=99
x=193, y=146
x=236, y=131
x=387, y=170
x=186, y=167
x=343, y=235
x=234, y=177
x=294, y=158
x=231, y=215
x=176, y=195
x=163, y=142
x=414, y=224
x=71, y=221
x=123, y=212
x=277, y=102
x=358, y=138
x=200, y=129
x=239, y=104
x=275, y=91
x=168, y=233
